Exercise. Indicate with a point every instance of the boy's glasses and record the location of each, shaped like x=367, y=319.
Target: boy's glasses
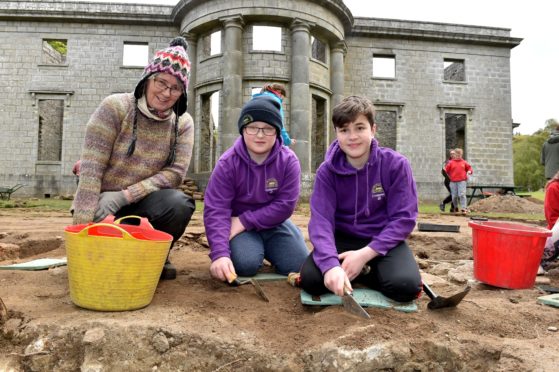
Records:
x=162, y=86
x=267, y=131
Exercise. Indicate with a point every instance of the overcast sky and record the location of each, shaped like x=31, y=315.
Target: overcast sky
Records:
x=534, y=63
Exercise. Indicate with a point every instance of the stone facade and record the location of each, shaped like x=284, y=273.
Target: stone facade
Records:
x=415, y=102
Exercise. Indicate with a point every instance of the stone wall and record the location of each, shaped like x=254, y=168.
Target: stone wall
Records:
x=418, y=97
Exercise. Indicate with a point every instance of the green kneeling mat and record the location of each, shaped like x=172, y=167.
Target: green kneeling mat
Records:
x=551, y=300
x=264, y=277
x=364, y=296
x=40, y=264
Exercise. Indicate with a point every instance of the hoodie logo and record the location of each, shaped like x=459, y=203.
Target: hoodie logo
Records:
x=271, y=185
x=247, y=119
x=377, y=191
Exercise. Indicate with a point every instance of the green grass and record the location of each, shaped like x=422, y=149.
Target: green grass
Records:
x=47, y=204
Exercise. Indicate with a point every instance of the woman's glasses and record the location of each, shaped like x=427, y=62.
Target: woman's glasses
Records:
x=162, y=86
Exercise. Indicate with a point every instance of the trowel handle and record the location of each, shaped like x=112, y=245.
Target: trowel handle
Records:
x=432, y=295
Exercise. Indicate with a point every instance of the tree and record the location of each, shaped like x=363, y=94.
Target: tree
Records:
x=528, y=172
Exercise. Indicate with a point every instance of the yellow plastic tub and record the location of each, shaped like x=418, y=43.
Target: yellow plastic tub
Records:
x=114, y=267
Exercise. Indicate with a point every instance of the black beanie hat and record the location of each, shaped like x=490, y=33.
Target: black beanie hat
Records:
x=261, y=108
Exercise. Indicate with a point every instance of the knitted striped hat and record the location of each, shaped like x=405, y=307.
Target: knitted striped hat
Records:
x=172, y=60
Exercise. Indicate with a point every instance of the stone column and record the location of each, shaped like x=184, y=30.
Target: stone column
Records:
x=337, y=78
x=232, y=92
x=301, y=106
x=192, y=40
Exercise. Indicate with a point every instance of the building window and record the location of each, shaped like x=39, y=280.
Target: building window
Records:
x=318, y=50
x=386, y=122
x=55, y=51
x=266, y=38
x=211, y=44
x=384, y=66
x=209, y=126
x=51, y=115
x=454, y=70
x=135, y=54
x=455, y=132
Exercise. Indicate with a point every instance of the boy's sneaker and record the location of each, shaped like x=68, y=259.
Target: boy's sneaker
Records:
x=441, y=207
x=169, y=271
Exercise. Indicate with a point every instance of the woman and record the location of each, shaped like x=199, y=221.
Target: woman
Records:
x=551, y=211
x=137, y=149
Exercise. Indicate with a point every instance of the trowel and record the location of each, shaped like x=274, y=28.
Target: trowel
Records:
x=235, y=282
x=352, y=306
x=438, y=302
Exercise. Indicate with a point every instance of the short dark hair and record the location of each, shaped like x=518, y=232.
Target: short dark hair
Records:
x=350, y=107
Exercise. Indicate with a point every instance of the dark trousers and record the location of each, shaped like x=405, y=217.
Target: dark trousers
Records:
x=395, y=275
x=448, y=199
x=168, y=210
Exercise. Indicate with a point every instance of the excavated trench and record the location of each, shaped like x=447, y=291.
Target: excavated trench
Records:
x=197, y=324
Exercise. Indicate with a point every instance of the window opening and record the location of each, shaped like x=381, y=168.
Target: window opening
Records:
x=266, y=38
x=318, y=131
x=208, y=131
x=55, y=51
x=454, y=70
x=386, y=122
x=455, y=132
x=135, y=54
x=384, y=67
x=318, y=50
x=51, y=115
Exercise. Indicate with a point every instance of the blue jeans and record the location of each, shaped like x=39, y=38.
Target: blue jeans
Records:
x=283, y=245
x=458, y=191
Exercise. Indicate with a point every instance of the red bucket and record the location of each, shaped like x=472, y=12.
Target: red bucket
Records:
x=507, y=255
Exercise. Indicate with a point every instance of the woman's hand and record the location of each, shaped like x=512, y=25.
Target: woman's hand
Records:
x=337, y=281
x=353, y=261
x=222, y=268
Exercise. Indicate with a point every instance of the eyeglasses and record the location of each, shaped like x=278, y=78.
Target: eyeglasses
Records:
x=267, y=131
x=162, y=86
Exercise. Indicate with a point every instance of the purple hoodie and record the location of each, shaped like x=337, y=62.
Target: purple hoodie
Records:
x=377, y=202
x=262, y=195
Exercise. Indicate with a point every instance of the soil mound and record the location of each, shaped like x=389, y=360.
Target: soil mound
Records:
x=506, y=204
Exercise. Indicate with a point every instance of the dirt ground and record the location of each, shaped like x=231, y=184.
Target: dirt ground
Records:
x=197, y=324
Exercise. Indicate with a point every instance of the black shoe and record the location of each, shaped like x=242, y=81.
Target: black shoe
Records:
x=169, y=271
x=441, y=207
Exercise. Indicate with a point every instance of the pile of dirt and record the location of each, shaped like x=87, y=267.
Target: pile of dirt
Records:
x=506, y=204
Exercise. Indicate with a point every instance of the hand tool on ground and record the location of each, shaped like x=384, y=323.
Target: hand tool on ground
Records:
x=352, y=306
x=438, y=302
x=235, y=282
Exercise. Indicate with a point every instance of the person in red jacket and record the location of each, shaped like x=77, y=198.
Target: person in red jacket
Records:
x=551, y=211
x=458, y=171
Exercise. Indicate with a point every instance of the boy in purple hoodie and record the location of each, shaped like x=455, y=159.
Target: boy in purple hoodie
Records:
x=250, y=196
x=363, y=207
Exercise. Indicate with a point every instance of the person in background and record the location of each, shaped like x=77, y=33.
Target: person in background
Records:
x=76, y=171
x=250, y=196
x=458, y=170
x=550, y=151
x=137, y=149
x=363, y=207
x=448, y=199
x=551, y=211
x=277, y=92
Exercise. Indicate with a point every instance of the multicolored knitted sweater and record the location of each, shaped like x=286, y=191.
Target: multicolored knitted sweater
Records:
x=105, y=165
